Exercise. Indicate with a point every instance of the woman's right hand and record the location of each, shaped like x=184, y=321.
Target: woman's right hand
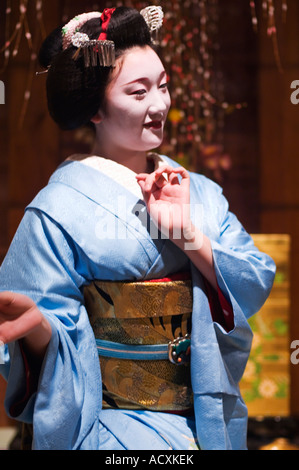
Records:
x=20, y=318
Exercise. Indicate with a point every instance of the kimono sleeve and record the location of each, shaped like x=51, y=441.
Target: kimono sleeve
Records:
x=218, y=354
x=45, y=264
x=243, y=272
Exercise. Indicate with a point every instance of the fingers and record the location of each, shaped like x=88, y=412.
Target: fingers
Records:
x=6, y=298
x=173, y=179
x=169, y=169
x=19, y=316
x=12, y=302
x=147, y=182
x=161, y=176
x=141, y=176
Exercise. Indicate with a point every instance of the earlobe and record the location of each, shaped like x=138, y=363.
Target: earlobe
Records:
x=97, y=118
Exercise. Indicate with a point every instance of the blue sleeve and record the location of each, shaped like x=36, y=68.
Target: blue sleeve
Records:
x=242, y=270
x=219, y=356
x=43, y=263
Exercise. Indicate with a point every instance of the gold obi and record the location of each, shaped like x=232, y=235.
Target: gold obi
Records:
x=142, y=313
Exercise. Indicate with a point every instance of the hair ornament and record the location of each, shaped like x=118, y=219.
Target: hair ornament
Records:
x=73, y=26
x=105, y=17
x=153, y=16
x=95, y=51
x=78, y=39
x=102, y=51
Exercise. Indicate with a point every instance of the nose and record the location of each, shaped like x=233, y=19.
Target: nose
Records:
x=156, y=114
x=159, y=105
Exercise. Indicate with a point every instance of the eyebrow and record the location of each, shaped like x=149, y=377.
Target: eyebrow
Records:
x=145, y=79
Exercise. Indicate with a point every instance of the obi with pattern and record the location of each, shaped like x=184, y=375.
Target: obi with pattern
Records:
x=142, y=313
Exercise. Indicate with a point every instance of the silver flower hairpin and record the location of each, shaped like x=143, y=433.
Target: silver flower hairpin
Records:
x=153, y=16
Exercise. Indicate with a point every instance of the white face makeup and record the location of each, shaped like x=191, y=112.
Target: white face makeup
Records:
x=137, y=102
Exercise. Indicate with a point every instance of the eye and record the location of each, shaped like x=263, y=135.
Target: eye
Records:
x=164, y=86
x=139, y=93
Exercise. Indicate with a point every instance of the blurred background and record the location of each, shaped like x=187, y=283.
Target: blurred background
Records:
x=234, y=118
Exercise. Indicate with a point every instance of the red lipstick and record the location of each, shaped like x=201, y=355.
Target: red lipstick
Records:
x=153, y=125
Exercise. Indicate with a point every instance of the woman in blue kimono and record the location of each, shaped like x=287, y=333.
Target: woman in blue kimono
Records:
x=126, y=291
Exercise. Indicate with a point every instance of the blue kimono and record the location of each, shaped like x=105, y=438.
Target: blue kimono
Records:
x=64, y=242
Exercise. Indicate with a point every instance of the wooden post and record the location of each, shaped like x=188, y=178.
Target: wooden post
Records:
x=28, y=154
x=279, y=162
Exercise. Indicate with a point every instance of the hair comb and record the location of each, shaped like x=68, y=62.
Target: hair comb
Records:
x=153, y=16
x=99, y=51
x=95, y=52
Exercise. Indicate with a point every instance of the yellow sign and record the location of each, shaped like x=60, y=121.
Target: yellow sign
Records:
x=265, y=386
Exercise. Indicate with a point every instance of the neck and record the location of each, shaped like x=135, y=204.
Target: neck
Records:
x=134, y=160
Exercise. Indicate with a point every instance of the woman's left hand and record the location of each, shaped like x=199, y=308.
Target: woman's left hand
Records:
x=167, y=197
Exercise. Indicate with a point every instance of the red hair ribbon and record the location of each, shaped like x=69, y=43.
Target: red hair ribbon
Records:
x=105, y=17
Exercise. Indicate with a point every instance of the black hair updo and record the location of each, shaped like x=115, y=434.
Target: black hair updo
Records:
x=75, y=93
